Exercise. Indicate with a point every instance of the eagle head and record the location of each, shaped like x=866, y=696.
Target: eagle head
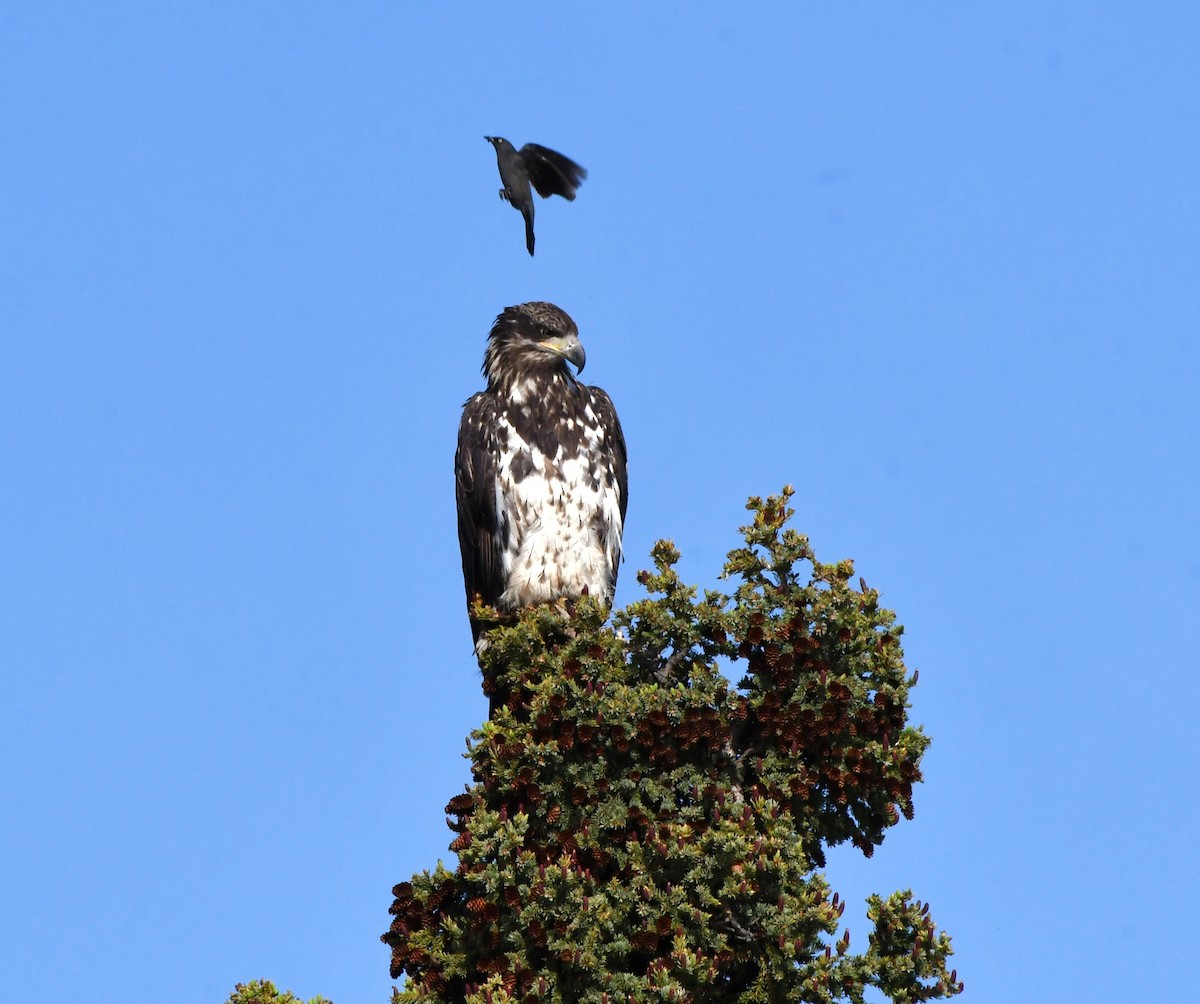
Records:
x=532, y=341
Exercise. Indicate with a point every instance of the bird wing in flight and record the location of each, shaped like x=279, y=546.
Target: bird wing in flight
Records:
x=551, y=172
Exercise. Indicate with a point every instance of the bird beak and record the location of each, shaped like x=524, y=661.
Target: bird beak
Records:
x=569, y=347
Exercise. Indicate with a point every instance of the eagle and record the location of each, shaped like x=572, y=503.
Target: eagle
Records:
x=540, y=472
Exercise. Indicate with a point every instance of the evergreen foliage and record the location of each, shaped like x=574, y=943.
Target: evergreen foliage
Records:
x=641, y=830
x=264, y=992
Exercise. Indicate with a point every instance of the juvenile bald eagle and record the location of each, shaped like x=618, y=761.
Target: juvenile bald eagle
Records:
x=539, y=472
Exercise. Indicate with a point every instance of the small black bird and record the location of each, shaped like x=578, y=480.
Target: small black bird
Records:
x=550, y=172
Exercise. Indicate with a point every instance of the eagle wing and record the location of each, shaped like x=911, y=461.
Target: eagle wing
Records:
x=480, y=536
x=551, y=172
x=614, y=441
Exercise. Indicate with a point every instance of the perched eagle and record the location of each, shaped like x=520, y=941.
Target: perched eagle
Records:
x=539, y=472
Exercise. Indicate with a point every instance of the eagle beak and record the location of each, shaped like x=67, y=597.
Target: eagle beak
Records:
x=569, y=347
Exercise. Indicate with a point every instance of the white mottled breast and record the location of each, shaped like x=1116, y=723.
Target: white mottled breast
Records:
x=561, y=515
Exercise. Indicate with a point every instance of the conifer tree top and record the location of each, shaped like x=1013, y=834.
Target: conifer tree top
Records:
x=640, y=829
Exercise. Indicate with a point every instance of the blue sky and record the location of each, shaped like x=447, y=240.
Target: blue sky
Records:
x=935, y=264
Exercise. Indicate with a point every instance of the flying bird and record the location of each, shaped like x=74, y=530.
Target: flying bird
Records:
x=540, y=477
x=549, y=172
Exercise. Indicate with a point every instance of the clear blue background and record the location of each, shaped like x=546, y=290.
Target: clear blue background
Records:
x=935, y=264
